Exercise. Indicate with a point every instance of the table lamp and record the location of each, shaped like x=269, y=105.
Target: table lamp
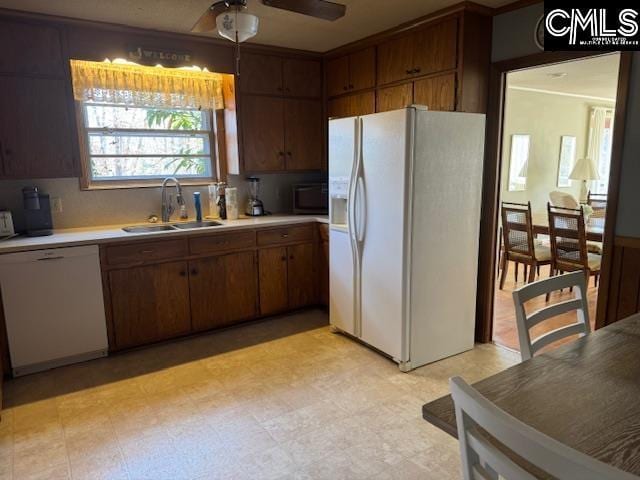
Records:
x=584, y=170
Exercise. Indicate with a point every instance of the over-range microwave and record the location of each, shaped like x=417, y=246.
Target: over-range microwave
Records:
x=311, y=198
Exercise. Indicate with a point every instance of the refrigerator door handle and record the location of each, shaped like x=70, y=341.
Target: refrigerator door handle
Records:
x=351, y=214
x=360, y=199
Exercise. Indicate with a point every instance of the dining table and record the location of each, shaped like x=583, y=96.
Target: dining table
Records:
x=594, y=226
x=585, y=394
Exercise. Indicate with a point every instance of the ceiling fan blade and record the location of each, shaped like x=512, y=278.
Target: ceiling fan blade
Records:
x=314, y=8
x=207, y=22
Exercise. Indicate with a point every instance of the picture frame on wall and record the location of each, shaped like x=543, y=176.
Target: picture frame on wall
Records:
x=567, y=160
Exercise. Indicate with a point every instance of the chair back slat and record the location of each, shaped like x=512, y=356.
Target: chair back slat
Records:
x=525, y=322
x=477, y=418
x=555, y=335
x=517, y=229
x=553, y=311
x=568, y=239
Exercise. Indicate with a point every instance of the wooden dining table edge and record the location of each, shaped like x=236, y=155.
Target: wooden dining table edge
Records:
x=436, y=421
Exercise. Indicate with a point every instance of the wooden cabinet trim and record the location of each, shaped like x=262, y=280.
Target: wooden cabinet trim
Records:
x=144, y=252
x=222, y=242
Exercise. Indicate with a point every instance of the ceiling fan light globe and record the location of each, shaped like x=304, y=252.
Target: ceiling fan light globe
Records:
x=245, y=24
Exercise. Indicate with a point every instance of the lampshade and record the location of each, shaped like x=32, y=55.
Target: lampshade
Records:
x=242, y=23
x=584, y=169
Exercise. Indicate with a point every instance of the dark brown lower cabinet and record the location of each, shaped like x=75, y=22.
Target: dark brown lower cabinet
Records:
x=150, y=303
x=287, y=278
x=272, y=267
x=301, y=275
x=223, y=289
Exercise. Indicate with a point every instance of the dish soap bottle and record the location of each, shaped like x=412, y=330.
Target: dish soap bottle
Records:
x=222, y=202
x=198, y=205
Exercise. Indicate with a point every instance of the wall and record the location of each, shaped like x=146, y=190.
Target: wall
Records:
x=131, y=206
x=546, y=117
x=513, y=37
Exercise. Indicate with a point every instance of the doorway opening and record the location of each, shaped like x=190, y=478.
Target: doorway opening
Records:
x=557, y=135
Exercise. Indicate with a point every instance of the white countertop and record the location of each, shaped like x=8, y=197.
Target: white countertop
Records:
x=114, y=233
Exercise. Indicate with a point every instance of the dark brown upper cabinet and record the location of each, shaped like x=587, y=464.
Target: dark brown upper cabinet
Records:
x=263, y=133
x=260, y=74
x=352, y=105
x=35, y=128
x=30, y=49
x=271, y=75
x=428, y=50
x=281, y=134
x=302, y=78
x=303, y=134
x=356, y=71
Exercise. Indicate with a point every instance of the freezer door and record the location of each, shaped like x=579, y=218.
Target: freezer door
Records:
x=380, y=205
x=343, y=259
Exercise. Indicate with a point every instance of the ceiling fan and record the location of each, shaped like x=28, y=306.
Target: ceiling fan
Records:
x=232, y=22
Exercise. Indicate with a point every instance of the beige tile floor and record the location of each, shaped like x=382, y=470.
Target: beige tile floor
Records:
x=279, y=399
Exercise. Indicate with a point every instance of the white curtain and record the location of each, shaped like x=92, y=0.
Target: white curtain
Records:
x=596, y=130
x=599, y=146
x=137, y=85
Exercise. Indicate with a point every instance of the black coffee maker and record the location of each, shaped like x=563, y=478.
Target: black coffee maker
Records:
x=37, y=212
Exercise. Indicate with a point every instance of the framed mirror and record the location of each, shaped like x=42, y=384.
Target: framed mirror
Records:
x=519, y=162
x=567, y=159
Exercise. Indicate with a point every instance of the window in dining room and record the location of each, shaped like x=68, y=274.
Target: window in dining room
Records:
x=138, y=124
x=599, y=150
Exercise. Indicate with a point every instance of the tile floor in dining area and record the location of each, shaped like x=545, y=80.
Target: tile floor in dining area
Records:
x=279, y=399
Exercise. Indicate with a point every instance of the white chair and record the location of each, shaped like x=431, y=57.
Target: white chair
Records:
x=575, y=281
x=481, y=459
x=563, y=200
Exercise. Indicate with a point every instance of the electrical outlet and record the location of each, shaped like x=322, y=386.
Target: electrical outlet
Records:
x=56, y=205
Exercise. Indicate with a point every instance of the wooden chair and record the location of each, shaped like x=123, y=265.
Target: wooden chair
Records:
x=519, y=241
x=569, y=243
x=575, y=281
x=478, y=419
x=597, y=201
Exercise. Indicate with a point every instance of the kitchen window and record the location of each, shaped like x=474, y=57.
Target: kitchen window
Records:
x=139, y=124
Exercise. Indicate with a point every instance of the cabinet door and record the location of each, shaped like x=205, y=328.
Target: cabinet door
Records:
x=35, y=131
x=223, y=290
x=352, y=105
x=395, y=59
x=263, y=133
x=362, y=69
x=272, y=277
x=437, y=93
x=261, y=74
x=436, y=47
x=323, y=271
x=301, y=275
x=302, y=78
x=393, y=98
x=31, y=49
x=303, y=134
x=337, y=76
x=149, y=303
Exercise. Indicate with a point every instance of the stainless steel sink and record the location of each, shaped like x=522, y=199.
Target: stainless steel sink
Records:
x=148, y=228
x=189, y=225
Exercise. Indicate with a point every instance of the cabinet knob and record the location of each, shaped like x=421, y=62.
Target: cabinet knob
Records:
x=183, y=274
x=283, y=258
x=417, y=70
x=285, y=235
x=408, y=72
x=281, y=154
x=291, y=257
x=289, y=153
x=345, y=88
x=194, y=271
x=350, y=87
x=279, y=89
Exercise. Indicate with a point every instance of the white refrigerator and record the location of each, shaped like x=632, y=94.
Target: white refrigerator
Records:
x=405, y=192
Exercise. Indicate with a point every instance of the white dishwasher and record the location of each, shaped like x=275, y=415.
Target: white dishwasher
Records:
x=53, y=307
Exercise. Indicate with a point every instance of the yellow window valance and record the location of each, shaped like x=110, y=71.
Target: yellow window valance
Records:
x=137, y=85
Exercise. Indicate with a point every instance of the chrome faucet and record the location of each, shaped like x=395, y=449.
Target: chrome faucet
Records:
x=167, y=200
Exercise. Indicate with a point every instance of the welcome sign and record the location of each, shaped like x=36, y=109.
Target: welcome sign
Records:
x=589, y=25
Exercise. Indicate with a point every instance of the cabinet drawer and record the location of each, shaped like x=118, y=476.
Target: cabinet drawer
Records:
x=285, y=235
x=145, y=252
x=222, y=242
